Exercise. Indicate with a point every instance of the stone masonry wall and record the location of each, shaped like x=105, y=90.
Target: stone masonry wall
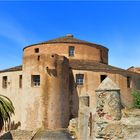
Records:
x=112, y=123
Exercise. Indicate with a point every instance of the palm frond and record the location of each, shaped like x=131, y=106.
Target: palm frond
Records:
x=6, y=108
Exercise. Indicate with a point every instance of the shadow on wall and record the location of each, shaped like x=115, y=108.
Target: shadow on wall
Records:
x=14, y=125
x=6, y=127
x=52, y=72
x=6, y=136
x=9, y=126
x=74, y=99
x=1, y=124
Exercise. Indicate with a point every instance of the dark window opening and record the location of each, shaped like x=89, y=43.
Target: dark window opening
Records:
x=128, y=82
x=36, y=50
x=4, y=82
x=20, y=81
x=101, y=55
x=102, y=77
x=38, y=57
x=35, y=80
x=79, y=79
x=71, y=50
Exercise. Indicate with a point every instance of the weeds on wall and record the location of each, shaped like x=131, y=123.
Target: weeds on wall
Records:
x=136, y=97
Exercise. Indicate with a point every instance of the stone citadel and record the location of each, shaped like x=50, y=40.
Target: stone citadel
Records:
x=55, y=75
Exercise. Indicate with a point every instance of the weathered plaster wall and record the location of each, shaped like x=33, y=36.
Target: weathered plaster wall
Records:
x=50, y=101
x=14, y=93
x=56, y=92
x=92, y=81
x=82, y=51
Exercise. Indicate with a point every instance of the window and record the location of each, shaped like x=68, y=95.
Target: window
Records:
x=128, y=82
x=102, y=77
x=38, y=57
x=101, y=55
x=20, y=81
x=4, y=82
x=79, y=79
x=35, y=80
x=36, y=50
x=71, y=50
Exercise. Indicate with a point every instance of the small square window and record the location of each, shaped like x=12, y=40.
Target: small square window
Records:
x=4, y=81
x=71, y=50
x=102, y=77
x=38, y=57
x=79, y=79
x=35, y=80
x=36, y=50
x=20, y=81
x=128, y=82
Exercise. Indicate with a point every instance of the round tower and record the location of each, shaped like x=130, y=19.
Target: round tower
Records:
x=72, y=48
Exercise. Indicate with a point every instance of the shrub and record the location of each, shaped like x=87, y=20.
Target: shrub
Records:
x=136, y=97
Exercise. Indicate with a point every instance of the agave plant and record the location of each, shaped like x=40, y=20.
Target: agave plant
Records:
x=6, y=109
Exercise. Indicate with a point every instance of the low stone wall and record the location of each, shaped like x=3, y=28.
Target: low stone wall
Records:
x=128, y=128
x=111, y=121
x=130, y=123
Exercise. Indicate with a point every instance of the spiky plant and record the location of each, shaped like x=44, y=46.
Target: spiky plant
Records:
x=6, y=109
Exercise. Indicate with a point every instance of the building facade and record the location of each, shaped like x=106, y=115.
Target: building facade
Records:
x=46, y=88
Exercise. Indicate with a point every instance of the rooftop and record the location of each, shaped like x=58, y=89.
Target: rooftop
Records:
x=17, y=68
x=85, y=65
x=69, y=38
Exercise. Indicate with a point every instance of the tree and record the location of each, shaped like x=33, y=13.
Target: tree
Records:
x=6, y=110
x=136, y=97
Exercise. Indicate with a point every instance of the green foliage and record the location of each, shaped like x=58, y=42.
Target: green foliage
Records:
x=136, y=97
x=6, y=108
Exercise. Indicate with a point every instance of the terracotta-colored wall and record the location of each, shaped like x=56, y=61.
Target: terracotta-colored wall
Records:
x=82, y=51
x=56, y=92
x=92, y=81
x=56, y=100
x=50, y=101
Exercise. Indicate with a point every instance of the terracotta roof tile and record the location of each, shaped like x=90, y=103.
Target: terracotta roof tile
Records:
x=67, y=39
x=17, y=68
x=85, y=65
x=96, y=66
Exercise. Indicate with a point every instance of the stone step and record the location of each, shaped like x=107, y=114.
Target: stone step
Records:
x=52, y=135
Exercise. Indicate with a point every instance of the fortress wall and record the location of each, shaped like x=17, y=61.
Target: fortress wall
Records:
x=47, y=105
x=56, y=92
x=92, y=81
x=32, y=110
x=14, y=93
x=82, y=51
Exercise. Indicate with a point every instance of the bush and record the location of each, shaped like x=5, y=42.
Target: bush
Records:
x=136, y=97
